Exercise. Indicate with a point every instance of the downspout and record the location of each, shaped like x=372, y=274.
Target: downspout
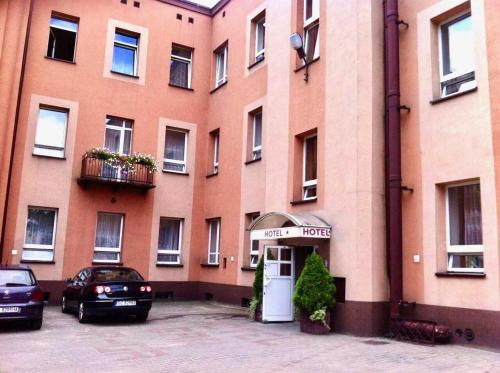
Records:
x=14, y=134
x=393, y=156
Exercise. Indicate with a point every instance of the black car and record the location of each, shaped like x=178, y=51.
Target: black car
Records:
x=21, y=298
x=103, y=291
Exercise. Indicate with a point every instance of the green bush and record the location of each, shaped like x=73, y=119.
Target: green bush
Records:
x=258, y=282
x=315, y=289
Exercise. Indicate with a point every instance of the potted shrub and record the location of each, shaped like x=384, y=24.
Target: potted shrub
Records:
x=314, y=296
x=255, y=309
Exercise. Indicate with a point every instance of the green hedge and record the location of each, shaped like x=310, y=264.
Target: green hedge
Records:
x=258, y=282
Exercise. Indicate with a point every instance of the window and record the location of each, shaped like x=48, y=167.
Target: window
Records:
x=311, y=29
x=260, y=38
x=118, y=136
x=256, y=133
x=213, y=241
x=62, y=39
x=310, y=178
x=175, y=150
x=108, y=237
x=40, y=234
x=221, y=65
x=254, y=244
x=169, y=241
x=215, y=141
x=180, y=66
x=457, y=55
x=125, y=53
x=50, y=137
x=464, y=228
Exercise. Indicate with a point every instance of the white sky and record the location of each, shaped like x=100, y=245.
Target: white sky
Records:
x=209, y=3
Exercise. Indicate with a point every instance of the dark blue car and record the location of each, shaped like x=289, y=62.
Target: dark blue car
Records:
x=21, y=298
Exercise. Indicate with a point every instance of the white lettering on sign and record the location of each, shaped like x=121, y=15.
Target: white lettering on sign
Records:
x=291, y=232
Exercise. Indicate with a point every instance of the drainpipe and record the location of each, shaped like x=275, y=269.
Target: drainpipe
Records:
x=393, y=156
x=14, y=134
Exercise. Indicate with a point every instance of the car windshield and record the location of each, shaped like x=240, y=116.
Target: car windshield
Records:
x=16, y=277
x=118, y=274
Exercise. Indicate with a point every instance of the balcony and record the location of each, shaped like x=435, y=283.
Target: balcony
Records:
x=105, y=167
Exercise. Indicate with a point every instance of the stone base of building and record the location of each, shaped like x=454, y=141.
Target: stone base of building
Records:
x=367, y=319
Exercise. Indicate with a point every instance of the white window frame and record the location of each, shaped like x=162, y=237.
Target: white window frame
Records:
x=314, y=14
x=216, y=152
x=170, y=251
x=256, y=149
x=65, y=29
x=175, y=161
x=109, y=249
x=47, y=147
x=442, y=77
x=189, y=61
x=310, y=183
x=37, y=247
x=306, y=41
x=132, y=47
x=221, y=55
x=252, y=251
x=217, y=252
x=122, y=130
x=259, y=54
x=470, y=250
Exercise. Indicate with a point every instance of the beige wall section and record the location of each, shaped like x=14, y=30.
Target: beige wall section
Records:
x=46, y=182
x=253, y=188
x=354, y=201
x=142, y=53
x=275, y=134
x=458, y=130
x=173, y=199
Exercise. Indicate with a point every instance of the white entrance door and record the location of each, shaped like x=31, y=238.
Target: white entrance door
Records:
x=278, y=283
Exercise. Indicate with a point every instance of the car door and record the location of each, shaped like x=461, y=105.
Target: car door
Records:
x=73, y=291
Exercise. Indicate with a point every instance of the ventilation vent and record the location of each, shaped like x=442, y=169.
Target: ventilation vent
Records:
x=137, y=4
x=179, y=16
x=209, y=296
x=123, y=1
x=191, y=20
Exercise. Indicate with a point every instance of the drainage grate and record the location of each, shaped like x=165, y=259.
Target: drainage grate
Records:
x=416, y=331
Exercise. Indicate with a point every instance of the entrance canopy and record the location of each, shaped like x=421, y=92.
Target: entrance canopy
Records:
x=277, y=225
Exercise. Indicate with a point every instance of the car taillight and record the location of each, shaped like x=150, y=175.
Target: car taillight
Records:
x=146, y=288
x=37, y=295
x=99, y=289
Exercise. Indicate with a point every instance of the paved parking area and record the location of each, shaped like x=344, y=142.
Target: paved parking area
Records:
x=203, y=337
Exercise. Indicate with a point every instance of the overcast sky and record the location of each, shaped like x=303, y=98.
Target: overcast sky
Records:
x=209, y=3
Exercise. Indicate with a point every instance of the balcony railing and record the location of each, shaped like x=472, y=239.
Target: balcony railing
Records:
x=100, y=171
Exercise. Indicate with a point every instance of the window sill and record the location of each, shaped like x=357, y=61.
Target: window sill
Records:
x=249, y=269
x=175, y=173
x=27, y=261
x=461, y=274
x=303, y=201
x=171, y=265
x=217, y=88
x=305, y=65
x=180, y=87
x=253, y=161
x=446, y=98
x=60, y=60
x=119, y=264
x=212, y=175
x=48, y=156
x=206, y=265
x=255, y=63
x=123, y=74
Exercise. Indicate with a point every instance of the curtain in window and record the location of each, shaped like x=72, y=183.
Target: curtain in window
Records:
x=179, y=73
x=472, y=215
x=258, y=129
x=40, y=227
x=108, y=230
x=220, y=66
x=112, y=139
x=175, y=142
x=169, y=234
x=311, y=145
x=261, y=35
x=213, y=236
x=312, y=39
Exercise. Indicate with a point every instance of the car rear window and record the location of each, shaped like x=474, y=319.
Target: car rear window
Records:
x=16, y=277
x=117, y=275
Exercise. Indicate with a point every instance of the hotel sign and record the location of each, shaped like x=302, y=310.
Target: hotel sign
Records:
x=291, y=232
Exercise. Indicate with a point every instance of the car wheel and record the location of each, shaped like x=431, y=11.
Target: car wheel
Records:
x=64, y=306
x=82, y=314
x=142, y=316
x=36, y=324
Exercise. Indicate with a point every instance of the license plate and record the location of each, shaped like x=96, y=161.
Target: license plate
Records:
x=122, y=303
x=10, y=309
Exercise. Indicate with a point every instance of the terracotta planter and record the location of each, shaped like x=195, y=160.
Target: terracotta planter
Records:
x=258, y=313
x=314, y=327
